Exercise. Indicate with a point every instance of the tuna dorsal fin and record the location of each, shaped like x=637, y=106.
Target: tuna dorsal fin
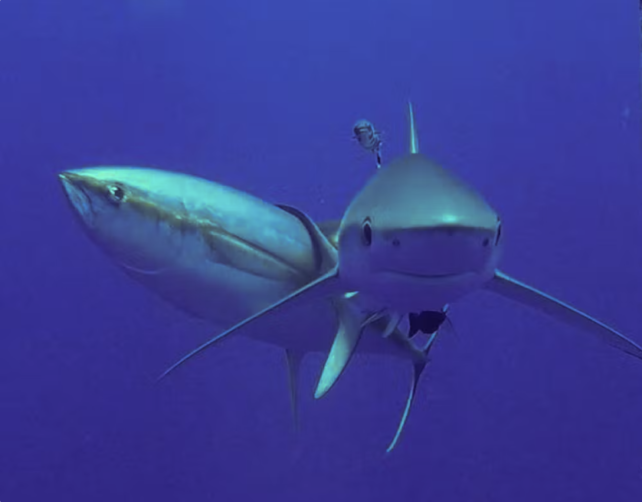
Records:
x=323, y=287
x=414, y=140
x=293, y=359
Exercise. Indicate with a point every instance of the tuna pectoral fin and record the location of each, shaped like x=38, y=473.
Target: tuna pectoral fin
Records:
x=526, y=295
x=324, y=286
x=325, y=252
x=294, y=359
x=344, y=345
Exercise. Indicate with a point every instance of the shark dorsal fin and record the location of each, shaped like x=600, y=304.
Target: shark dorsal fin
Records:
x=414, y=141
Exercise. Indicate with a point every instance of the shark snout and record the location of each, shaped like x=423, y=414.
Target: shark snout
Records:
x=437, y=252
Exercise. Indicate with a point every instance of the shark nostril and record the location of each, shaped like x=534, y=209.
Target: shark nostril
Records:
x=396, y=243
x=486, y=242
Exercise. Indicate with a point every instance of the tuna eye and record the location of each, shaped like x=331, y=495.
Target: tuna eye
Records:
x=366, y=232
x=116, y=194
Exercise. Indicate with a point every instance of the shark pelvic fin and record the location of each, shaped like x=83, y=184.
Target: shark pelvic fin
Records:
x=293, y=360
x=428, y=345
x=343, y=347
x=324, y=286
x=517, y=291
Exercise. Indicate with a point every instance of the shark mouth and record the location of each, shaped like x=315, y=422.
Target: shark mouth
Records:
x=436, y=278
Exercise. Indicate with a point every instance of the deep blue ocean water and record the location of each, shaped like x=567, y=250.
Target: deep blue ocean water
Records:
x=537, y=104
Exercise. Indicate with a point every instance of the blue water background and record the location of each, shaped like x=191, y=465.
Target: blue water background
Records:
x=537, y=104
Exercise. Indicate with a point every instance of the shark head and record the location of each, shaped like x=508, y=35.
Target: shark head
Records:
x=417, y=237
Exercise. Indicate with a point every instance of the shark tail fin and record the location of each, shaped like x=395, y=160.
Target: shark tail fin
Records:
x=512, y=289
x=417, y=370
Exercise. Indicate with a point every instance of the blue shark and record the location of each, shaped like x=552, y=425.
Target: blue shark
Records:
x=415, y=237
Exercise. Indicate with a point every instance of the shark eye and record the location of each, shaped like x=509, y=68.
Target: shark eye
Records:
x=499, y=233
x=116, y=194
x=366, y=232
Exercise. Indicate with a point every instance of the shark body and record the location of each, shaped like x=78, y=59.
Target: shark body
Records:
x=415, y=237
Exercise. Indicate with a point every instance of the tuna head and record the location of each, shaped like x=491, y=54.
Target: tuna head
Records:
x=208, y=248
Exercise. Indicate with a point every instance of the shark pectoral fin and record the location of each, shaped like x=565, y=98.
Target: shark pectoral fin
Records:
x=293, y=360
x=514, y=290
x=344, y=345
x=417, y=370
x=324, y=286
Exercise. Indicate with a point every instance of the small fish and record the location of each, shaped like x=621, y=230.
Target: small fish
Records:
x=428, y=321
x=368, y=137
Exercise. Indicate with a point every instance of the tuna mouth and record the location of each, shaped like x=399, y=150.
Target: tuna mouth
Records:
x=76, y=196
x=70, y=180
x=69, y=183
